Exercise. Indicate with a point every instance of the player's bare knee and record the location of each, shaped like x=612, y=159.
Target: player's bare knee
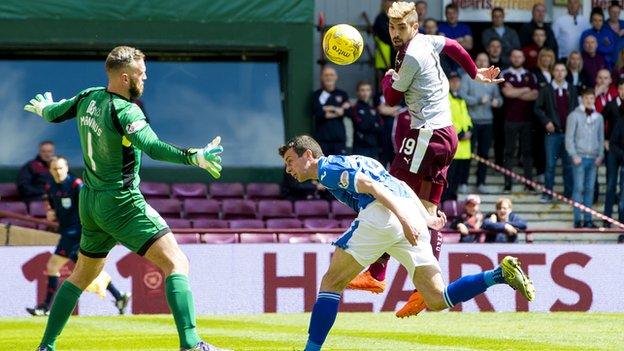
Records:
x=52, y=267
x=332, y=281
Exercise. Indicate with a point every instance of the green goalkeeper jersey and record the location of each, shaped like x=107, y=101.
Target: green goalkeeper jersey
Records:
x=113, y=132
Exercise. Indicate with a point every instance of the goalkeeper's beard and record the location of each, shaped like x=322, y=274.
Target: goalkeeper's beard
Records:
x=134, y=90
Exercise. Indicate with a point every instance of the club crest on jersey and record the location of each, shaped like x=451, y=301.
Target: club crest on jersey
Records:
x=135, y=126
x=66, y=202
x=339, y=99
x=344, y=180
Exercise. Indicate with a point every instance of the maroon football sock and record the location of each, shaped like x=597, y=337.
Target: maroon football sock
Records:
x=378, y=268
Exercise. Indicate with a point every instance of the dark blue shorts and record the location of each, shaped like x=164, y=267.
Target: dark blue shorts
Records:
x=68, y=247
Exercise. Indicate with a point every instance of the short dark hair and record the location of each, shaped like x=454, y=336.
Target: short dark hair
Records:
x=614, y=3
x=498, y=9
x=596, y=11
x=493, y=40
x=538, y=28
x=588, y=91
x=46, y=142
x=451, y=6
x=620, y=81
x=361, y=84
x=300, y=144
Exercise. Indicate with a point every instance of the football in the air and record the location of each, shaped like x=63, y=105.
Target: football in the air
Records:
x=343, y=44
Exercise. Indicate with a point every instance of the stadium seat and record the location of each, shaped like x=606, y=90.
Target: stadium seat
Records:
x=325, y=238
x=189, y=190
x=295, y=238
x=320, y=223
x=275, y=209
x=312, y=209
x=13, y=206
x=187, y=238
x=152, y=190
x=450, y=209
x=167, y=207
x=283, y=223
x=263, y=191
x=178, y=223
x=342, y=211
x=249, y=238
x=238, y=209
x=202, y=208
x=220, y=190
x=210, y=223
x=246, y=224
x=345, y=223
x=218, y=238
x=19, y=222
x=450, y=238
x=8, y=192
x=38, y=209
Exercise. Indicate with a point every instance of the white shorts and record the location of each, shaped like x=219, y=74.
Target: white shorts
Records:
x=377, y=230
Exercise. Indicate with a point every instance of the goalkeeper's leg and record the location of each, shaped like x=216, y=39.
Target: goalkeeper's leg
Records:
x=86, y=270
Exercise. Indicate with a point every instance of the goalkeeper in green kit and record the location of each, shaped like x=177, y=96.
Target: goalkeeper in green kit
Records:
x=113, y=133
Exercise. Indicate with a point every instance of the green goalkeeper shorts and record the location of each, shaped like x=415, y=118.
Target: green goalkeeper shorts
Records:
x=117, y=216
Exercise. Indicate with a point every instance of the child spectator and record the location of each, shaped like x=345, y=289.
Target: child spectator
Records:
x=503, y=225
x=470, y=218
x=366, y=123
x=584, y=140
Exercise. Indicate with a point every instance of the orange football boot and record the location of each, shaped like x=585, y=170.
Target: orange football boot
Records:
x=365, y=281
x=414, y=305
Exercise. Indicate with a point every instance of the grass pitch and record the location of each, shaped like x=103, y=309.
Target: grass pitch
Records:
x=352, y=331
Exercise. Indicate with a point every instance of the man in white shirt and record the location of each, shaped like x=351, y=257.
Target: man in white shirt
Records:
x=568, y=28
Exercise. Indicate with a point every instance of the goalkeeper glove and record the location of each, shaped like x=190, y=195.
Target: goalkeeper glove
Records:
x=40, y=102
x=209, y=158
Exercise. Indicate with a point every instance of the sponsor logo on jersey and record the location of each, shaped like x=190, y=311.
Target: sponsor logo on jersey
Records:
x=323, y=175
x=135, y=126
x=93, y=110
x=344, y=180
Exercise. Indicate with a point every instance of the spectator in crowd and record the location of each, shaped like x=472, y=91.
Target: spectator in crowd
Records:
x=481, y=98
x=538, y=21
x=604, y=90
x=554, y=102
x=584, y=139
x=592, y=60
x=614, y=22
x=519, y=91
x=568, y=28
x=618, y=68
x=384, y=50
x=34, y=175
x=507, y=35
x=421, y=10
x=532, y=49
x=431, y=27
x=367, y=125
x=494, y=50
x=388, y=114
x=452, y=29
x=471, y=218
x=503, y=225
x=605, y=37
x=576, y=76
x=460, y=167
x=543, y=73
x=613, y=115
x=329, y=106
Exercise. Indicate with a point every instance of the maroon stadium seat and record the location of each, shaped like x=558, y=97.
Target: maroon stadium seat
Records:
x=263, y=191
x=238, y=209
x=210, y=223
x=19, y=222
x=258, y=238
x=178, y=223
x=342, y=211
x=202, y=208
x=283, y=223
x=246, y=224
x=154, y=190
x=219, y=238
x=345, y=223
x=220, y=190
x=312, y=209
x=38, y=209
x=167, y=207
x=275, y=209
x=8, y=192
x=320, y=223
x=187, y=238
x=325, y=238
x=296, y=238
x=189, y=190
x=13, y=206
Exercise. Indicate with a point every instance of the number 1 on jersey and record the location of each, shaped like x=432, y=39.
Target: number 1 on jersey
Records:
x=90, y=150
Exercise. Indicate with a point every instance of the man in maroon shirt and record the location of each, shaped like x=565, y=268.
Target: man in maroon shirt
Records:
x=555, y=101
x=593, y=61
x=34, y=175
x=519, y=91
